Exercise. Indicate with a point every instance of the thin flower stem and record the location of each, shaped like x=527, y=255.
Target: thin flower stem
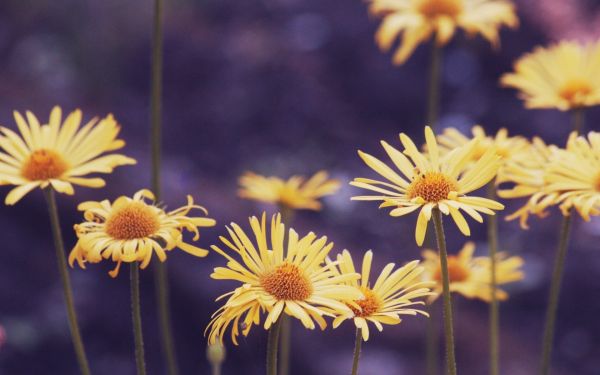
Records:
x=448, y=328
x=433, y=96
x=215, y=369
x=272, y=346
x=285, y=337
x=357, y=346
x=557, y=274
x=59, y=247
x=431, y=342
x=136, y=317
x=492, y=233
x=578, y=120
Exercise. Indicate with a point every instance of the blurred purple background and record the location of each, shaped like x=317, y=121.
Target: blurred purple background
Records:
x=279, y=87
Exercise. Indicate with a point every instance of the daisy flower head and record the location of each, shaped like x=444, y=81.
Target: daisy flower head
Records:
x=295, y=192
x=132, y=229
x=432, y=181
x=58, y=154
x=277, y=278
x=564, y=76
x=415, y=21
x=394, y=293
x=470, y=276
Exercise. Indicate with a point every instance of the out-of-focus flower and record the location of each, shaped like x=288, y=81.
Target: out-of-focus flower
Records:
x=290, y=278
x=393, y=294
x=470, y=276
x=415, y=21
x=2, y=336
x=432, y=181
x=295, y=193
x=563, y=76
x=58, y=154
x=132, y=229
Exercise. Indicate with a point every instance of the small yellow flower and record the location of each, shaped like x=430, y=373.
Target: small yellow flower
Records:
x=290, y=278
x=131, y=230
x=432, y=181
x=563, y=76
x=528, y=176
x=470, y=276
x=393, y=294
x=294, y=193
x=415, y=21
x=58, y=154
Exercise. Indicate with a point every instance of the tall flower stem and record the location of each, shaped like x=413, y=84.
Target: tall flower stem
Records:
x=136, y=317
x=557, y=274
x=59, y=247
x=433, y=95
x=492, y=233
x=448, y=328
x=357, y=346
x=577, y=120
x=285, y=337
x=161, y=278
x=431, y=342
x=272, y=347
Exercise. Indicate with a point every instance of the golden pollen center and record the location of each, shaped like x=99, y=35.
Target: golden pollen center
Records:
x=135, y=220
x=287, y=282
x=457, y=272
x=368, y=305
x=574, y=91
x=437, y=8
x=44, y=165
x=432, y=187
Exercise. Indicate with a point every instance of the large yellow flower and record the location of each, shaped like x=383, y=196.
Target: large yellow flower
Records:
x=131, y=230
x=294, y=193
x=394, y=293
x=432, y=181
x=416, y=20
x=278, y=278
x=470, y=276
x=564, y=76
x=57, y=154
x=528, y=176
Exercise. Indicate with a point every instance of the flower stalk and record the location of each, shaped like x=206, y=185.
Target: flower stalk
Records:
x=357, y=346
x=285, y=336
x=494, y=310
x=272, y=347
x=136, y=317
x=66, y=282
x=433, y=97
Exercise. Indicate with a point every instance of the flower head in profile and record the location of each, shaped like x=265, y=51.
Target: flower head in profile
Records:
x=59, y=154
x=278, y=278
x=296, y=192
x=394, y=293
x=415, y=21
x=132, y=229
x=428, y=181
x=470, y=276
x=563, y=76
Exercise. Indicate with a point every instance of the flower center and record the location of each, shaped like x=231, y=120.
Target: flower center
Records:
x=432, y=187
x=135, y=220
x=457, y=272
x=574, y=91
x=287, y=282
x=44, y=165
x=369, y=305
x=438, y=8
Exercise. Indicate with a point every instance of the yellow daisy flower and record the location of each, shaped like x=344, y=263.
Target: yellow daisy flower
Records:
x=432, y=181
x=278, y=278
x=470, y=276
x=528, y=176
x=58, y=154
x=563, y=76
x=294, y=193
x=132, y=229
x=394, y=293
x=415, y=21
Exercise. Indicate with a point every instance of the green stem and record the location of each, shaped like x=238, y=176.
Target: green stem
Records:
x=59, y=247
x=431, y=342
x=557, y=274
x=287, y=216
x=492, y=233
x=272, y=346
x=448, y=328
x=577, y=120
x=136, y=317
x=433, y=96
x=357, y=346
